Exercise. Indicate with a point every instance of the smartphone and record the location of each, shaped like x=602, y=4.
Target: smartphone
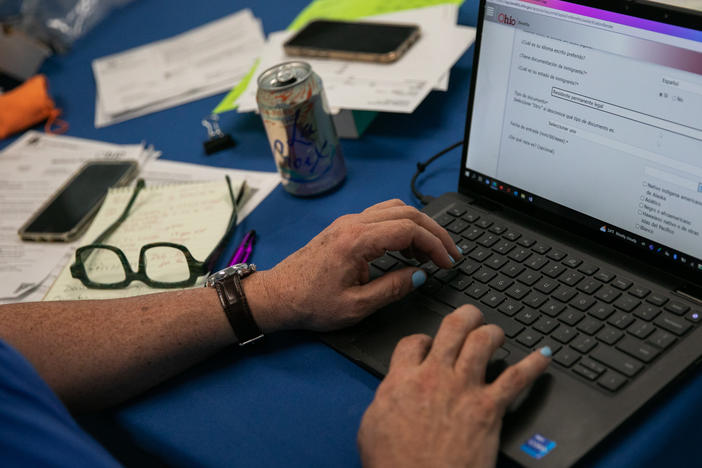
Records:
x=65, y=215
x=353, y=40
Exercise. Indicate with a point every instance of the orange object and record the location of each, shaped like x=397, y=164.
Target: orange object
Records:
x=27, y=105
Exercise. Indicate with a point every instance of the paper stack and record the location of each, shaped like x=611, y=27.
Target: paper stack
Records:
x=199, y=63
x=31, y=170
x=395, y=87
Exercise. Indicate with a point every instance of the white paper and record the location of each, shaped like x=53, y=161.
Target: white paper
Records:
x=394, y=87
x=31, y=170
x=201, y=62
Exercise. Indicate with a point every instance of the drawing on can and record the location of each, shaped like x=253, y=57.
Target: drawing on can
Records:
x=300, y=129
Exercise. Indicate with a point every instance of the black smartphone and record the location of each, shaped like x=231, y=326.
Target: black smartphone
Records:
x=353, y=40
x=67, y=213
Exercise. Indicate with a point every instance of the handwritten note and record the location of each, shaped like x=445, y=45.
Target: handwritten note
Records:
x=193, y=214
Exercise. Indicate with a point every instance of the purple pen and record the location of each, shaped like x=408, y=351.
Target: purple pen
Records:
x=243, y=251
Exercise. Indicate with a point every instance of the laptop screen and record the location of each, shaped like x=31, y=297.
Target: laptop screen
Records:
x=594, y=116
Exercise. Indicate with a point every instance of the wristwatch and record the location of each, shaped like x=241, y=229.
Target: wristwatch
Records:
x=227, y=282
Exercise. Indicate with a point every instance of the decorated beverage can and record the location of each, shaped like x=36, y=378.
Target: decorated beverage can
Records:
x=300, y=130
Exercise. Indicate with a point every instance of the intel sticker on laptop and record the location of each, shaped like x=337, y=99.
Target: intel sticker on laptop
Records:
x=538, y=446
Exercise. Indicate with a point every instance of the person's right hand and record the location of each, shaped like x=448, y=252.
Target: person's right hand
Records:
x=434, y=408
x=325, y=285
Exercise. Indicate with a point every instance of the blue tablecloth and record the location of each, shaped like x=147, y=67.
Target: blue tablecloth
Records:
x=292, y=401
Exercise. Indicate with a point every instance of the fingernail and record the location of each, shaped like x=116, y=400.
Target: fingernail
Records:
x=460, y=250
x=546, y=351
x=452, y=260
x=418, y=278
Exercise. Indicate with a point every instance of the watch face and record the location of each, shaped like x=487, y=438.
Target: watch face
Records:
x=240, y=269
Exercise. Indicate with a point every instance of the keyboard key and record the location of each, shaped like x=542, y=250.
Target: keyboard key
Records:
x=618, y=361
x=446, y=276
x=541, y=248
x=536, y=262
x=551, y=343
x=661, y=338
x=621, y=320
x=519, y=255
x=512, y=269
x=529, y=338
x=498, y=229
x=673, y=324
x=678, y=308
x=517, y=291
x=546, y=285
x=571, y=278
x=510, y=307
x=574, y=262
x=472, y=233
x=471, y=217
x=496, y=262
x=493, y=299
x=571, y=317
x=529, y=277
x=512, y=235
x=693, y=316
x=385, y=262
x=657, y=299
x=489, y=240
x=503, y=247
x=609, y=335
x=627, y=303
x=585, y=372
x=612, y=381
x=604, y=276
x=641, y=329
x=564, y=334
x=566, y=357
x=511, y=327
x=546, y=324
x=476, y=290
x=527, y=316
x=484, y=223
x=554, y=270
x=556, y=255
x=456, y=211
x=552, y=308
x=607, y=294
x=455, y=237
x=589, y=286
x=501, y=282
x=564, y=294
x=601, y=311
x=647, y=311
x=621, y=283
x=444, y=219
x=460, y=282
x=469, y=267
x=485, y=275
x=430, y=268
x=594, y=366
x=588, y=269
x=637, y=349
x=639, y=292
x=526, y=242
x=583, y=302
x=457, y=226
x=534, y=300
x=466, y=246
x=590, y=326
x=583, y=343
x=480, y=254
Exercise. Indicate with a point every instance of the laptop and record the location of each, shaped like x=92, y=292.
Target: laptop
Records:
x=579, y=211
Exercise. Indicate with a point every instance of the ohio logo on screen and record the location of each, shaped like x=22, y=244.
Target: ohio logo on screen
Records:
x=506, y=19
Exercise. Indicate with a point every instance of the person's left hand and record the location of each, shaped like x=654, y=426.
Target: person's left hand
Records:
x=325, y=285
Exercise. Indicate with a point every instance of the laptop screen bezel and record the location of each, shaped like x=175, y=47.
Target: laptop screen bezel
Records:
x=551, y=212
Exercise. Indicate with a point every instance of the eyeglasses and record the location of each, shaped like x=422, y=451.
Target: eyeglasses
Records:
x=101, y=266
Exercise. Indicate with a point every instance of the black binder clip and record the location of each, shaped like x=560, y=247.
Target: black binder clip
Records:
x=218, y=140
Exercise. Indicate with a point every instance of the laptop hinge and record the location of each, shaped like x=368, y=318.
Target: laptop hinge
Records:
x=692, y=293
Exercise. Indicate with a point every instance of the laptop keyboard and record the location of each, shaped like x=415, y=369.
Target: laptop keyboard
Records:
x=603, y=328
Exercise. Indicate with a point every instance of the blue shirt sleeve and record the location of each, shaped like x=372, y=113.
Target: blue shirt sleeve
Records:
x=36, y=429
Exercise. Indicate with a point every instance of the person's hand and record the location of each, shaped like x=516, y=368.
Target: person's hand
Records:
x=434, y=408
x=325, y=285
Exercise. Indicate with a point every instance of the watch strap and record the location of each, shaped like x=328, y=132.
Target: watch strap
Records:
x=236, y=308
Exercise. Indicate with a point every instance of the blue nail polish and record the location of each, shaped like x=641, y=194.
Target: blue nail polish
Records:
x=460, y=250
x=546, y=351
x=418, y=278
x=452, y=260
